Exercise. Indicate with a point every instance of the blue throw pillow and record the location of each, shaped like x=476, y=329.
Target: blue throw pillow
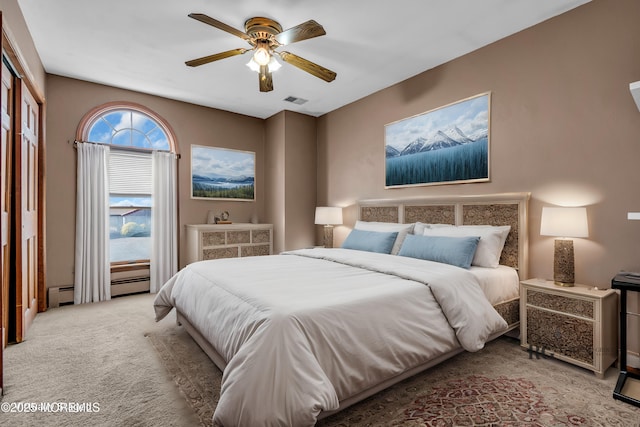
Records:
x=456, y=251
x=371, y=241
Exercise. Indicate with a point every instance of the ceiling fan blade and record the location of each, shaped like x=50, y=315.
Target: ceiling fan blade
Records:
x=308, y=66
x=266, y=82
x=304, y=31
x=215, y=57
x=220, y=25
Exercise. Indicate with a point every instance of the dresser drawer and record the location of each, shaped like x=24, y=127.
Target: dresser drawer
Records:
x=209, y=241
x=213, y=238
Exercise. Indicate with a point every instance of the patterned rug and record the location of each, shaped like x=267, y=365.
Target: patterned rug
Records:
x=501, y=385
x=481, y=401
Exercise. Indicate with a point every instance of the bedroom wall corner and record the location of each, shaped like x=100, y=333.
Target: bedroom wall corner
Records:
x=274, y=177
x=291, y=178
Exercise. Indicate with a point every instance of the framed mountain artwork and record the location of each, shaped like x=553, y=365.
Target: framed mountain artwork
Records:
x=448, y=145
x=222, y=174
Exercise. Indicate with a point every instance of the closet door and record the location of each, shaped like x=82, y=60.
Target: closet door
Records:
x=27, y=213
x=6, y=109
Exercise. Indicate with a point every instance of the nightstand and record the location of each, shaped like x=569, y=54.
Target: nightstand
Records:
x=576, y=324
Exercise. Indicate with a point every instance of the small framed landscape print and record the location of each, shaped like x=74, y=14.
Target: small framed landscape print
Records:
x=448, y=145
x=222, y=174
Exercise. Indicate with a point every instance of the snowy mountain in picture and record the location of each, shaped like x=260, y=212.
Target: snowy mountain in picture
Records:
x=447, y=138
x=414, y=147
x=479, y=134
x=391, y=152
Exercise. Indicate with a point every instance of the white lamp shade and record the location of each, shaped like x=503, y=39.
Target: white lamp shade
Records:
x=564, y=222
x=328, y=215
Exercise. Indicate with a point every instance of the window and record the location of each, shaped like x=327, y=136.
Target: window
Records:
x=133, y=132
x=129, y=206
x=128, y=128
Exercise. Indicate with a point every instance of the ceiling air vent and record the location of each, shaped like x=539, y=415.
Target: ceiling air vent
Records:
x=295, y=100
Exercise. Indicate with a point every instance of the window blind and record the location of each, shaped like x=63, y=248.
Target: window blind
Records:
x=129, y=172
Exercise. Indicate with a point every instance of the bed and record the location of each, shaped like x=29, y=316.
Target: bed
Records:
x=304, y=334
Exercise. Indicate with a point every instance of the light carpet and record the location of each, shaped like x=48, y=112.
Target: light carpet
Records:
x=96, y=354
x=142, y=373
x=501, y=385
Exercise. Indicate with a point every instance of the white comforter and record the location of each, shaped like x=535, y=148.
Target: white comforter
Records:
x=304, y=330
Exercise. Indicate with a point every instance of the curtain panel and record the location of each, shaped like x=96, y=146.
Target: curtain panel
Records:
x=164, y=219
x=92, y=281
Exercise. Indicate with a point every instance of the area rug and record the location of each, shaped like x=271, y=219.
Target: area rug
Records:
x=501, y=385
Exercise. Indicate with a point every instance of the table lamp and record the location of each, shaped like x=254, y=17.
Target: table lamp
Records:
x=564, y=222
x=328, y=216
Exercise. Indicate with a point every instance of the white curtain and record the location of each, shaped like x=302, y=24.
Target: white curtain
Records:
x=164, y=219
x=92, y=280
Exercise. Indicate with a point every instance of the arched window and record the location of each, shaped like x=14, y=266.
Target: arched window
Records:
x=133, y=133
x=126, y=125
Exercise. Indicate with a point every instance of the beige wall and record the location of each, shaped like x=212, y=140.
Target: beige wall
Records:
x=563, y=126
x=291, y=179
x=275, y=158
x=68, y=101
x=300, y=180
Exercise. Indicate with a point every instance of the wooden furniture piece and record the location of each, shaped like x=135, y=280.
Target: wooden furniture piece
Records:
x=214, y=241
x=628, y=384
x=576, y=324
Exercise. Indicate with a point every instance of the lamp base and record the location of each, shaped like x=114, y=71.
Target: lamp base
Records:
x=563, y=284
x=328, y=236
x=563, y=265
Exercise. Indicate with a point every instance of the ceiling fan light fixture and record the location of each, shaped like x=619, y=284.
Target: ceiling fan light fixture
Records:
x=273, y=64
x=262, y=56
x=253, y=65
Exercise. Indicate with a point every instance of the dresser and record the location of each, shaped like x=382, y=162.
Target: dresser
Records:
x=577, y=324
x=215, y=241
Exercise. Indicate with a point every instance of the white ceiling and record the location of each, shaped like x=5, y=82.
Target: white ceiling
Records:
x=142, y=45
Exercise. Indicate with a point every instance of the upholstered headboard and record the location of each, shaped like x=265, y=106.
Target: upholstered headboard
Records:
x=489, y=209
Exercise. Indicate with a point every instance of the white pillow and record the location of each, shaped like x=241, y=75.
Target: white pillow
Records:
x=419, y=227
x=402, y=230
x=491, y=242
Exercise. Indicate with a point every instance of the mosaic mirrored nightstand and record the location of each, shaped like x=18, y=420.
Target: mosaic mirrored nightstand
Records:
x=578, y=324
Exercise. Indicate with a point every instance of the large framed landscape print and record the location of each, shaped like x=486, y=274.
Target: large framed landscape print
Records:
x=448, y=145
x=222, y=174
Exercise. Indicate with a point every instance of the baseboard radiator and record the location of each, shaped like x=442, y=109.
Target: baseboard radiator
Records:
x=122, y=283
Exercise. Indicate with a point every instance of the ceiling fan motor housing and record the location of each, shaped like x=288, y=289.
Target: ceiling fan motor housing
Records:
x=262, y=29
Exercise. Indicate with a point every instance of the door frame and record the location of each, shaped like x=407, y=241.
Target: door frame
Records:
x=11, y=53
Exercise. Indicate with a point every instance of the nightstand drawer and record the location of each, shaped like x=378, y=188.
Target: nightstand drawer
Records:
x=578, y=307
x=557, y=333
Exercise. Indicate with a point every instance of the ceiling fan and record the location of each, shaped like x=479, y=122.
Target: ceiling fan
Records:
x=265, y=36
